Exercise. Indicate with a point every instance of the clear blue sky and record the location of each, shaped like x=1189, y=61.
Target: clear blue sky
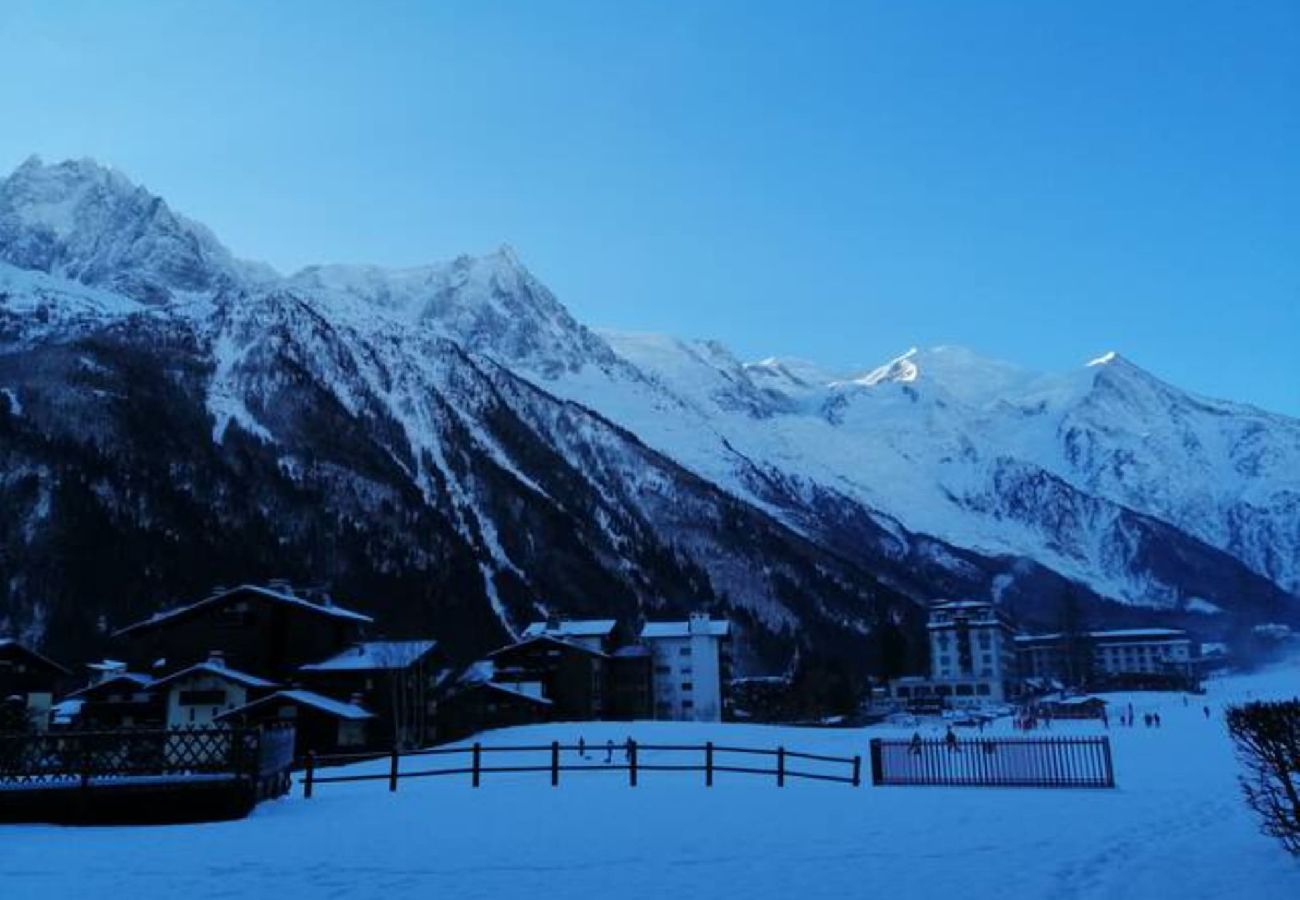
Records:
x=1038, y=181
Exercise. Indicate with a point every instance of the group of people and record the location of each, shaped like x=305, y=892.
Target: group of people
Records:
x=609, y=750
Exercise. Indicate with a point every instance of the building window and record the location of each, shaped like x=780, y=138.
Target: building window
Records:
x=684, y=651
x=982, y=690
x=663, y=670
x=687, y=686
x=688, y=704
x=202, y=698
x=964, y=690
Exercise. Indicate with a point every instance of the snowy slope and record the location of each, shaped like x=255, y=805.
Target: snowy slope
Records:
x=1175, y=826
x=946, y=443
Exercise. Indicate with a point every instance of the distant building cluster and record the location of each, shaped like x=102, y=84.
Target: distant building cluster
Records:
x=978, y=657
x=255, y=654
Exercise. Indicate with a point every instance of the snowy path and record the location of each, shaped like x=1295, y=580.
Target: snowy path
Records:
x=1175, y=828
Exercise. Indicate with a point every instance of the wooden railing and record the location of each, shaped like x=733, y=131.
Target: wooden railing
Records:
x=260, y=756
x=1078, y=762
x=474, y=760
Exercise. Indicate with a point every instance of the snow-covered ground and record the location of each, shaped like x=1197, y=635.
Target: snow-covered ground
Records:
x=1175, y=827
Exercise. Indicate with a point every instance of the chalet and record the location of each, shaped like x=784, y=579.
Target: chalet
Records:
x=477, y=705
x=268, y=630
x=572, y=676
x=394, y=680
x=1077, y=707
x=594, y=634
x=28, y=684
x=117, y=699
x=195, y=696
x=321, y=724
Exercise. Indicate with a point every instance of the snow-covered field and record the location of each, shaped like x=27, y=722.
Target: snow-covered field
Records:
x=1175, y=827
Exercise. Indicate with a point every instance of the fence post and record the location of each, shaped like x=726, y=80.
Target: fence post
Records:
x=857, y=771
x=708, y=764
x=478, y=756
x=631, y=762
x=555, y=763
x=392, y=770
x=1110, y=770
x=877, y=762
x=311, y=774
x=780, y=767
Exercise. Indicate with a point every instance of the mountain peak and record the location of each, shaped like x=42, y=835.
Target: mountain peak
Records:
x=82, y=220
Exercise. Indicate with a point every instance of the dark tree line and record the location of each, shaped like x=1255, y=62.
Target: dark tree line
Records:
x=1267, y=737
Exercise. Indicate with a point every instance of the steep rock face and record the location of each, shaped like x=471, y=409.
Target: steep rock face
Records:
x=447, y=447
x=89, y=224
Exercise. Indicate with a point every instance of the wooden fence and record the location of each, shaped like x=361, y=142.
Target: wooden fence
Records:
x=1078, y=762
x=142, y=775
x=708, y=759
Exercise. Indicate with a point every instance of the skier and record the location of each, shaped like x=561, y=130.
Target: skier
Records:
x=1206, y=710
x=609, y=751
x=582, y=747
x=627, y=751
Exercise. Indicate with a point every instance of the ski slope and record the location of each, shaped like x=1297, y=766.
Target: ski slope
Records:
x=1175, y=827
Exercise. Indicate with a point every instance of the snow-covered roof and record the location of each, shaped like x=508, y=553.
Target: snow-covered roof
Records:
x=135, y=679
x=329, y=705
x=548, y=639
x=63, y=712
x=514, y=692
x=572, y=628
x=477, y=672
x=274, y=594
x=218, y=670
x=370, y=655
x=1116, y=635
x=714, y=627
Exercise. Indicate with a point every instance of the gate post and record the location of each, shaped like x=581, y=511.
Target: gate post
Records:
x=877, y=762
x=555, y=763
x=631, y=762
x=857, y=771
x=392, y=770
x=311, y=774
x=780, y=767
x=478, y=756
x=708, y=764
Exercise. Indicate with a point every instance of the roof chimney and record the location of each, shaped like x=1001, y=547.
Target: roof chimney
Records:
x=217, y=657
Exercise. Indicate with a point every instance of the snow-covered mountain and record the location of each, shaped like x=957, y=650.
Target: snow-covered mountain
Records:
x=449, y=447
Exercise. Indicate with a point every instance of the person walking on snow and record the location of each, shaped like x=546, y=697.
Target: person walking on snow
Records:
x=951, y=740
x=609, y=751
x=1206, y=709
x=582, y=747
x=914, y=748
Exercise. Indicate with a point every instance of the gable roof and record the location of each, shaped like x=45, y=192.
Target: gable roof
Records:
x=274, y=595
x=373, y=655
x=133, y=679
x=513, y=692
x=217, y=670
x=572, y=628
x=10, y=643
x=328, y=705
x=546, y=639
